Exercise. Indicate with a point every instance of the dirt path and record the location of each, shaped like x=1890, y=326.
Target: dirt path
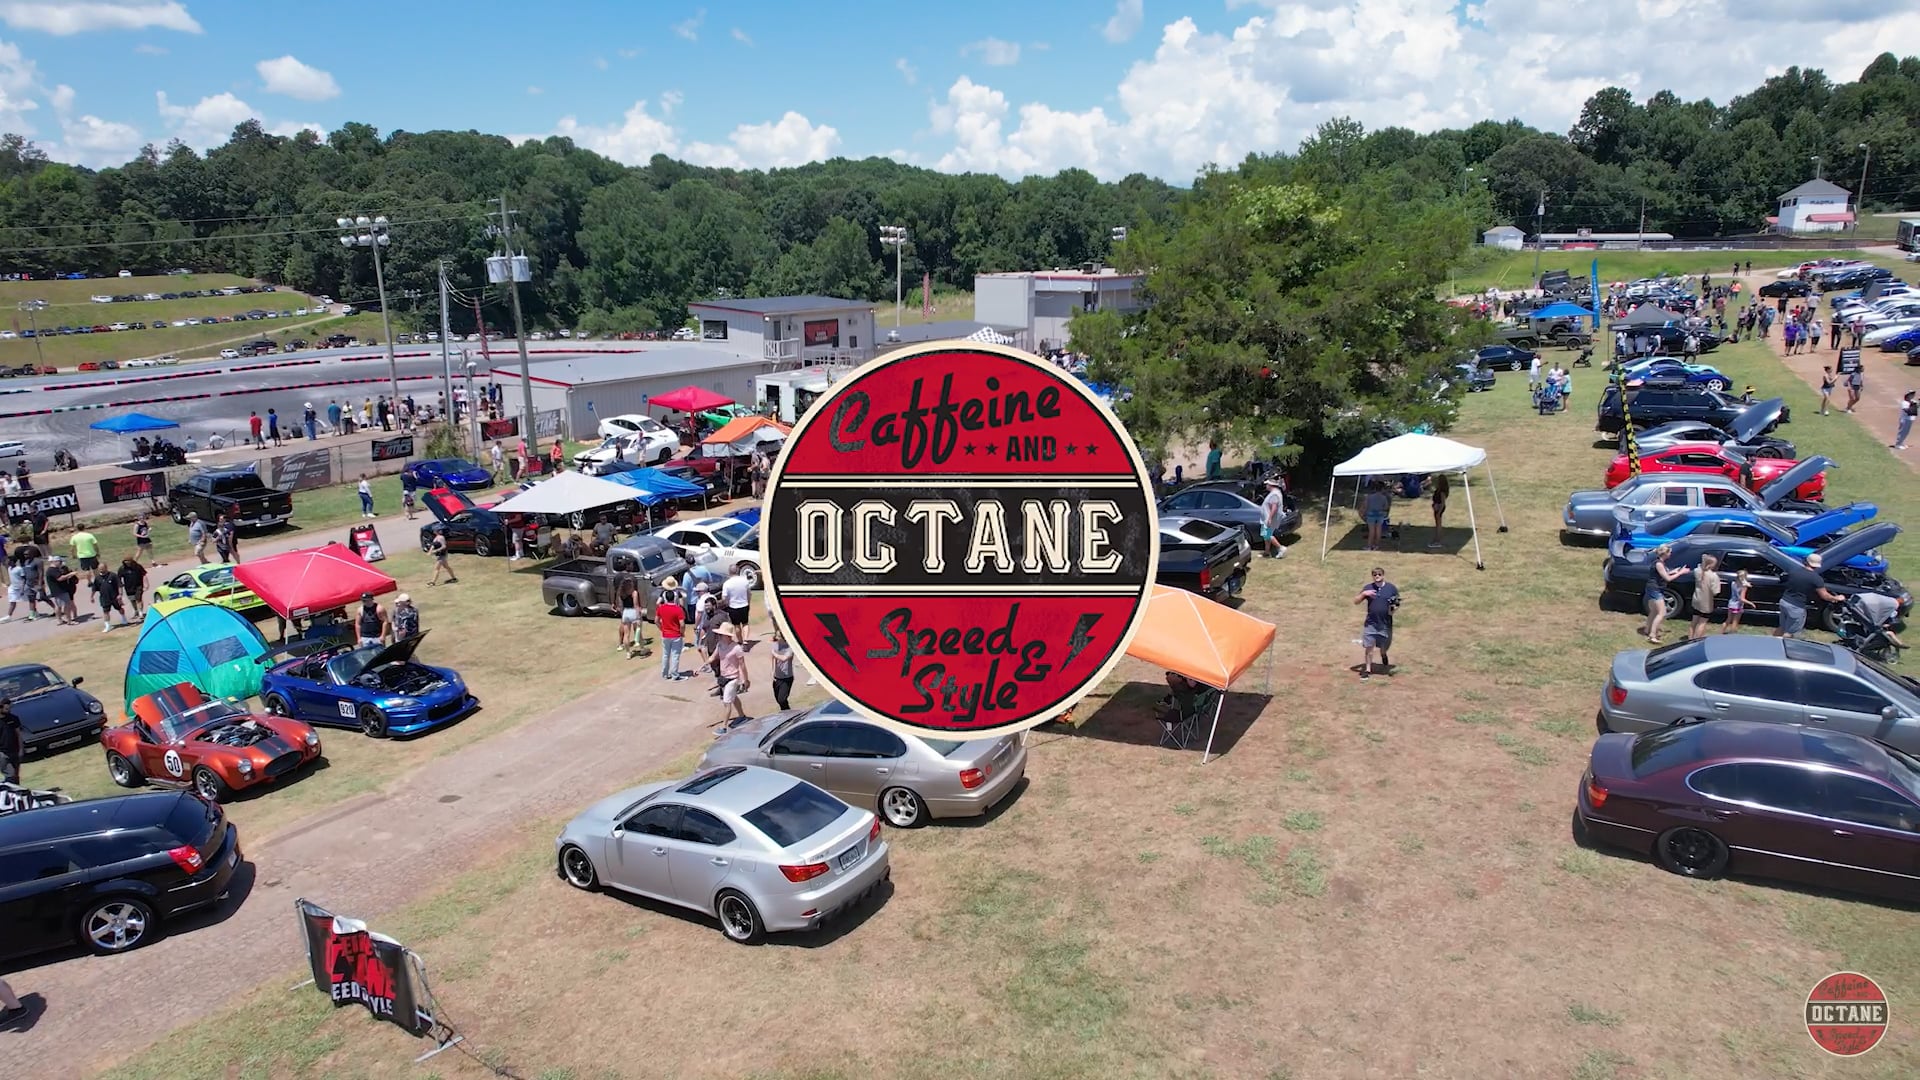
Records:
x=364, y=858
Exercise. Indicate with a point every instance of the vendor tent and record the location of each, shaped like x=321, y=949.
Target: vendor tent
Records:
x=689, y=399
x=1418, y=455
x=568, y=493
x=300, y=584
x=1648, y=317
x=193, y=641
x=745, y=434
x=1205, y=641
x=651, y=487
x=989, y=335
x=132, y=424
x=1560, y=310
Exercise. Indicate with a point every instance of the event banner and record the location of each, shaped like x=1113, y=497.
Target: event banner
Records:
x=119, y=489
x=393, y=449
x=357, y=967
x=60, y=500
x=821, y=332
x=546, y=425
x=503, y=428
x=304, y=471
x=364, y=541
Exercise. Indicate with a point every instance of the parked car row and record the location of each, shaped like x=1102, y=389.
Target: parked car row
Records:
x=183, y=294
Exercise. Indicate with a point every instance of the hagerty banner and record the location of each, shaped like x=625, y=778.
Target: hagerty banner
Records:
x=60, y=500
x=357, y=967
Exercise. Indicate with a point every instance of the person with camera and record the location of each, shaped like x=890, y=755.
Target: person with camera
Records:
x=1382, y=598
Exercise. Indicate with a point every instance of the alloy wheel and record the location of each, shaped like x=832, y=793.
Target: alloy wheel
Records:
x=117, y=926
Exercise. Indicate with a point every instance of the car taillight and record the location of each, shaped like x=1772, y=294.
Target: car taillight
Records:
x=187, y=859
x=874, y=833
x=804, y=873
x=1596, y=794
x=973, y=778
x=1616, y=694
x=1206, y=579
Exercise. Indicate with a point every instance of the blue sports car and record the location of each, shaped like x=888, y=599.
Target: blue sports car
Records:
x=1799, y=539
x=376, y=688
x=1903, y=341
x=1667, y=367
x=456, y=473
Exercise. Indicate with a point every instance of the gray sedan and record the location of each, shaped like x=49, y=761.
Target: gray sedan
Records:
x=1763, y=679
x=1229, y=502
x=909, y=778
x=1649, y=495
x=756, y=849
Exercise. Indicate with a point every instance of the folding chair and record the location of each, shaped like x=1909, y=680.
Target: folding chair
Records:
x=1176, y=727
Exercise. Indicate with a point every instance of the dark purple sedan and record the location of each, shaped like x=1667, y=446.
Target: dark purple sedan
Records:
x=1801, y=804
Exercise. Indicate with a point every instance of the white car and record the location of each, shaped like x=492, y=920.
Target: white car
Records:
x=611, y=449
x=166, y=361
x=151, y=296
x=229, y=354
x=7, y=335
x=566, y=333
x=142, y=362
x=126, y=273
x=101, y=299
x=1890, y=330
x=184, y=322
x=723, y=540
x=684, y=334
x=12, y=448
x=118, y=326
x=658, y=445
x=537, y=336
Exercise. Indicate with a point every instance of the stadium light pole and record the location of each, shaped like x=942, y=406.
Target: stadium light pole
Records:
x=1860, y=197
x=33, y=307
x=1816, y=167
x=372, y=234
x=895, y=237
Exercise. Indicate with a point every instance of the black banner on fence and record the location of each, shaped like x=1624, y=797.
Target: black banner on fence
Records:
x=119, y=489
x=505, y=428
x=354, y=966
x=60, y=500
x=303, y=472
x=393, y=449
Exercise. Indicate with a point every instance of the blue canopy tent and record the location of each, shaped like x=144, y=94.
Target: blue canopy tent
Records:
x=1560, y=310
x=193, y=641
x=651, y=487
x=132, y=424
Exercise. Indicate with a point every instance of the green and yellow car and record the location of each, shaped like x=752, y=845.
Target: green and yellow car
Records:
x=213, y=583
x=720, y=416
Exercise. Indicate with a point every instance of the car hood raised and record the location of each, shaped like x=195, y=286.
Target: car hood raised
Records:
x=1784, y=485
x=1825, y=524
x=1756, y=418
x=1858, y=542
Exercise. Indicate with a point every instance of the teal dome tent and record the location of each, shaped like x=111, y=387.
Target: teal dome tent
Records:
x=196, y=642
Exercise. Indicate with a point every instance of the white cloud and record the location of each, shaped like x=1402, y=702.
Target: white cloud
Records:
x=643, y=132
x=65, y=17
x=634, y=140
x=148, y=48
x=690, y=28
x=19, y=79
x=206, y=123
x=993, y=52
x=669, y=101
x=907, y=71
x=628, y=54
x=87, y=139
x=742, y=37
x=295, y=79
x=600, y=62
x=290, y=128
x=1127, y=16
x=61, y=98
x=535, y=91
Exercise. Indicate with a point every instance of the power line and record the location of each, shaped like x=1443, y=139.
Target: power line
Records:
x=437, y=204
x=330, y=229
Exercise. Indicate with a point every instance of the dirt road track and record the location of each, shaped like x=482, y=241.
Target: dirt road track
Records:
x=364, y=859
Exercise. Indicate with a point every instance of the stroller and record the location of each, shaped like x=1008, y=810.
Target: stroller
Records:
x=1864, y=622
x=1546, y=399
x=1585, y=359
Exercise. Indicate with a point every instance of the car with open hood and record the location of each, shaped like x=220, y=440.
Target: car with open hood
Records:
x=1746, y=433
x=456, y=473
x=477, y=529
x=1712, y=459
x=180, y=737
x=53, y=712
x=379, y=689
x=1624, y=577
x=1650, y=495
x=1805, y=537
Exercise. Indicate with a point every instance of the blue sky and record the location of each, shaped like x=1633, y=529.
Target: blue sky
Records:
x=1111, y=85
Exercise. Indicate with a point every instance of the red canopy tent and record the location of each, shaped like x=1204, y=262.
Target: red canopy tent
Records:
x=690, y=399
x=299, y=584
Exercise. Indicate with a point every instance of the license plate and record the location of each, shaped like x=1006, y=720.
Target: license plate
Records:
x=852, y=856
x=58, y=743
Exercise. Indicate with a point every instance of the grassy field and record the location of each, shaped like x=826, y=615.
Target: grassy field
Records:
x=1514, y=269
x=1365, y=857
x=69, y=307
x=76, y=292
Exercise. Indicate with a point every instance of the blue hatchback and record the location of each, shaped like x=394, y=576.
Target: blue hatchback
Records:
x=1801, y=539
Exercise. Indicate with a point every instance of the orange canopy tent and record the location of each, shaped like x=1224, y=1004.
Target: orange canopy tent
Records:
x=740, y=427
x=1204, y=641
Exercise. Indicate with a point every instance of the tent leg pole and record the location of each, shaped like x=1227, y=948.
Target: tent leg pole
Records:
x=1467, y=483
x=1326, y=520
x=1211, y=731
x=1495, y=485
x=1269, y=667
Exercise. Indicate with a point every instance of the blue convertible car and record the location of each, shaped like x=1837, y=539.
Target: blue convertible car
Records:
x=455, y=473
x=376, y=688
x=1799, y=539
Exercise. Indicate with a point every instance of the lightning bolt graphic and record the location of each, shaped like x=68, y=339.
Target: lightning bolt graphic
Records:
x=1081, y=638
x=837, y=638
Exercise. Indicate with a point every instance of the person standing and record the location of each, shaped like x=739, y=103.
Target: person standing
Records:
x=672, y=619
x=62, y=584
x=221, y=546
x=731, y=663
x=559, y=457
x=256, y=428
x=1382, y=597
x=737, y=593
x=142, y=539
x=105, y=587
x=1442, y=487
x=1736, y=603
x=1799, y=586
x=17, y=592
x=33, y=571
x=1814, y=330
x=1826, y=389
x=782, y=657
x=366, y=497
x=1654, y=597
x=133, y=583
x=627, y=598
x=494, y=454
x=1908, y=409
x=438, y=549
x=312, y=421
x=1377, y=507
x=13, y=743
x=406, y=618
x=1271, y=509
x=273, y=425
x=333, y=417
x=86, y=548
x=1851, y=367
x=1706, y=588
x=1213, y=459
x=370, y=622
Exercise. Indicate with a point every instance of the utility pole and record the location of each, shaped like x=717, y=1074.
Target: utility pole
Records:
x=1641, y=243
x=1859, y=197
x=514, y=267
x=446, y=347
x=374, y=236
x=32, y=307
x=1539, y=234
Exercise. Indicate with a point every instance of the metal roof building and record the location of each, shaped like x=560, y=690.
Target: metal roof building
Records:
x=590, y=387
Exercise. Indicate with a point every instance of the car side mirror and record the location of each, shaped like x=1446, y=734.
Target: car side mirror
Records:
x=1890, y=714
x=77, y=680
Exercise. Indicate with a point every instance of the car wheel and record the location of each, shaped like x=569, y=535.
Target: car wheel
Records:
x=1691, y=852
x=1582, y=834
x=1676, y=603
x=117, y=924
x=1767, y=452
x=373, y=722
x=903, y=809
x=569, y=605
x=179, y=516
x=482, y=547
x=1716, y=384
x=752, y=574
x=577, y=520
x=577, y=868
x=739, y=920
x=209, y=786
x=276, y=705
x=124, y=772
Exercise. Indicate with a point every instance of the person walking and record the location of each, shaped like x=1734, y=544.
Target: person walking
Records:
x=1533, y=366
x=366, y=497
x=408, y=503
x=498, y=459
x=1271, y=509
x=782, y=656
x=13, y=743
x=672, y=619
x=1213, y=459
x=707, y=617
x=1706, y=589
x=86, y=548
x=1814, y=330
x=1655, y=596
x=133, y=584
x=1736, y=603
x=223, y=539
x=731, y=663
x=626, y=593
x=17, y=591
x=273, y=425
x=438, y=549
x=105, y=587
x=370, y=623
x=62, y=584
x=10, y=1007
x=1856, y=376
x=1442, y=487
x=1826, y=389
x=1799, y=586
x=736, y=592
x=1382, y=598
x=142, y=539
x=406, y=617
x=1908, y=409
x=1377, y=507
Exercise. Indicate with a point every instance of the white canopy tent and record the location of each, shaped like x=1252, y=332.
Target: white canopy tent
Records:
x=1418, y=455
x=567, y=493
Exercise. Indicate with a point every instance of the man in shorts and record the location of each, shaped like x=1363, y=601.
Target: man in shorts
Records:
x=86, y=548
x=1376, y=632
x=736, y=592
x=1798, y=589
x=1271, y=509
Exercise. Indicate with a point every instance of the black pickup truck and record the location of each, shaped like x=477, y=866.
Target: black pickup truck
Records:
x=1203, y=557
x=241, y=495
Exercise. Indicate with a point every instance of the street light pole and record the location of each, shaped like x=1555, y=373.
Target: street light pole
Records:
x=511, y=270
x=1860, y=197
x=31, y=307
x=1539, y=235
x=895, y=236
x=372, y=235
x=1816, y=167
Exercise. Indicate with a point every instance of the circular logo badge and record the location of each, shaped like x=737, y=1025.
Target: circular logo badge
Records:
x=959, y=539
x=174, y=764
x=1846, y=1014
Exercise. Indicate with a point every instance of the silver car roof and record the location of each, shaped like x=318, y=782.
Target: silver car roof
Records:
x=747, y=789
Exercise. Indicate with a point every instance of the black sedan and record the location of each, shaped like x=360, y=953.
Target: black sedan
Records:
x=1773, y=290
x=53, y=712
x=1504, y=358
x=1767, y=568
x=1229, y=502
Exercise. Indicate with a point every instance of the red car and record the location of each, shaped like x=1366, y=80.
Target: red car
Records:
x=1712, y=458
x=179, y=737
x=1785, y=801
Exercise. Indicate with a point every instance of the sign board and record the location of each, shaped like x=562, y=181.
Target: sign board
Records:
x=354, y=966
x=364, y=541
x=303, y=471
x=546, y=425
x=503, y=428
x=816, y=332
x=959, y=539
x=393, y=449
x=119, y=489
x=60, y=500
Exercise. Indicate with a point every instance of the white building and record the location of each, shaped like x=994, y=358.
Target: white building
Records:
x=590, y=387
x=1815, y=206
x=1504, y=236
x=794, y=330
x=1043, y=301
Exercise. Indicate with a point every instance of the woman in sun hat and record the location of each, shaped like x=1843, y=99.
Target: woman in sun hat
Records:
x=731, y=663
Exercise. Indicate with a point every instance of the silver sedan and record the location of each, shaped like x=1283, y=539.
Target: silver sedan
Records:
x=758, y=850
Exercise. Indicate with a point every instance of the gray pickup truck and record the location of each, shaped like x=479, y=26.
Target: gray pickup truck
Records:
x=578, y=586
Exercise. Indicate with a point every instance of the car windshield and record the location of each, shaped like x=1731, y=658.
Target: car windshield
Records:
x=350, y=665
x=649, y=425
x=730, y=534
x=177, y=726
x=795, y=814
x=1898, y=687
x=29, y=681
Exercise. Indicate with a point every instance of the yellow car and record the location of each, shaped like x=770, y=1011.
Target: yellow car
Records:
x=213, y=583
